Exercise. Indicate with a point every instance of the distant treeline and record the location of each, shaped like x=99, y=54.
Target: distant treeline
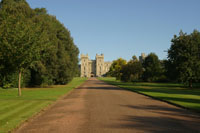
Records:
x=35, y=46
x=182, y=64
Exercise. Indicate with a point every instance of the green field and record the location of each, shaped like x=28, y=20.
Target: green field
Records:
x=173, y=93
x=14, y=110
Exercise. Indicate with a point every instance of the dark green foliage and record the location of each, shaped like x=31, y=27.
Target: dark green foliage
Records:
x=36, y=44
x=21, y=37
x=152, y=68
x=59, y=62
x=132, y=71
x=184, y=55
x=170, y=71
x=11, y=80
x=183, y=64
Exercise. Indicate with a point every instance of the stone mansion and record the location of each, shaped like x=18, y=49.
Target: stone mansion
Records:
x=94, y=68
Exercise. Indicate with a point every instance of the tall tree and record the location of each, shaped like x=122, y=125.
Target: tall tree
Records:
x=152, y=68
x=21, y=37
x=132, y=71
x=170, y=71
x=184, y=54
x=59, y=61
x=116, y=67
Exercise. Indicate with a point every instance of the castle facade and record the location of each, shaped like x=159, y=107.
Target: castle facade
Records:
x=94, y=68
x=142, y=57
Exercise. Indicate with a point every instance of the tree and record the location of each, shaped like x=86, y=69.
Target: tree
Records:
x=37, y=43
x=21, y=37
x=116, y=67
x=152, y=68
x=59, y=62
x=132, y=71
x=184, y=54
x=170, y=71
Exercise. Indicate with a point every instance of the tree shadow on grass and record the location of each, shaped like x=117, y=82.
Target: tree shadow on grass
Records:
x=164, y=91
x=158, y=84
x=186, y=100
x=140, y=88
x=156, y=92
x=148, y=84
x=154, y=85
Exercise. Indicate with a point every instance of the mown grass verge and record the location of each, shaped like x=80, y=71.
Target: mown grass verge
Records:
x=175, y=94
x=15, y=110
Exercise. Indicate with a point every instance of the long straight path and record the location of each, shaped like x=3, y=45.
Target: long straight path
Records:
x=96, y=107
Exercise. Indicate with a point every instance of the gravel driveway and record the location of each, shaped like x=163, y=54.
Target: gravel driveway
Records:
x=96, y=107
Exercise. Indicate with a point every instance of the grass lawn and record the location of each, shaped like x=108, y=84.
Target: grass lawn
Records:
x=173, y=93
x=14, y=110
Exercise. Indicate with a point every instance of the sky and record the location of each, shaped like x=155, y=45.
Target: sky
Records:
x=123, y=28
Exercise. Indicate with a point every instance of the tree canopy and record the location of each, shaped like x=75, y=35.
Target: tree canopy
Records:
x=182, y=65
x=116, y=67
x=184, y=54
x=152, y=68
x=60, y=61
x=22, y=39
x=132, y=71
x=36, y=44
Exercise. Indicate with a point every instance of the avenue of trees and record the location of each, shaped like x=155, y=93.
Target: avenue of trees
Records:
x=35, y=48
x=182, y=64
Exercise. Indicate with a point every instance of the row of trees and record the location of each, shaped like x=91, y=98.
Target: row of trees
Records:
x=134, y=70
x=36, y=45
x=182, y=65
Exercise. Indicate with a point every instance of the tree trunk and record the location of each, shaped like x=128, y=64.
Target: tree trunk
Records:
x=190, y=83
x=19, y=83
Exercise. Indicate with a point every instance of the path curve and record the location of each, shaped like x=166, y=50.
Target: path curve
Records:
x=96, y=107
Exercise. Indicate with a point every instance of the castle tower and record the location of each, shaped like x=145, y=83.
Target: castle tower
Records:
x=142, y=57
x=85, y=65
x=94, y=68
x=99, y=65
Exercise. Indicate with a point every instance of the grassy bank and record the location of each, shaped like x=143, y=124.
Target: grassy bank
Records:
x=172, y=93
x=15, y=110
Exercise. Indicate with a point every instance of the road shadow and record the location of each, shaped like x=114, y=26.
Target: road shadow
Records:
x=99, y=85
x=152, y=124
x=103, y=88
x=165, y=110
x=161, y=119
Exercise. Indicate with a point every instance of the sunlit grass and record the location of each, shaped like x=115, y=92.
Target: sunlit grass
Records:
x=170, y=92
x=15, y=110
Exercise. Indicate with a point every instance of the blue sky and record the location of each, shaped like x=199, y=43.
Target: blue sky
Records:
x=123, y=28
